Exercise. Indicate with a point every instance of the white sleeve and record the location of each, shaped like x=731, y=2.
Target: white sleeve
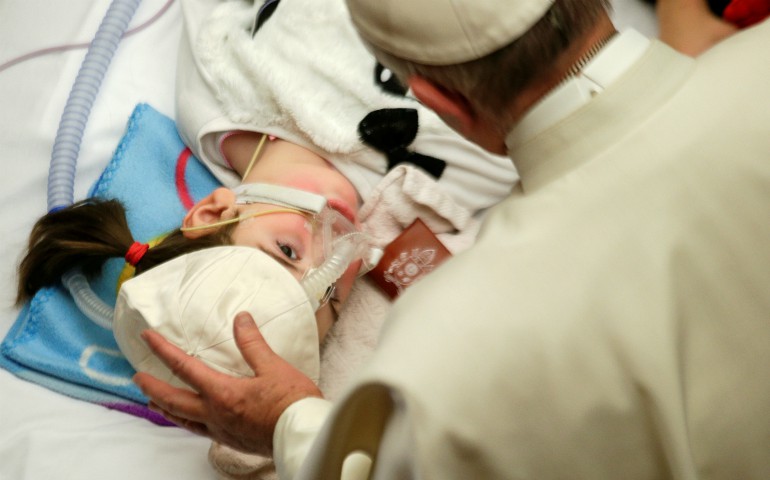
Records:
x=295, y=432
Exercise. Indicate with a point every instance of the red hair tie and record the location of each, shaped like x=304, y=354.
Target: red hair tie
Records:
x=135, y=253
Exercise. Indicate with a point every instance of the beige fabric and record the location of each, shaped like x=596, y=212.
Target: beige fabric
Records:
x=612, y=319
x=443, y=32
x=192, y=300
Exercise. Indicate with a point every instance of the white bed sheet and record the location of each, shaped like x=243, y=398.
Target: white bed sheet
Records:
x=43, y=434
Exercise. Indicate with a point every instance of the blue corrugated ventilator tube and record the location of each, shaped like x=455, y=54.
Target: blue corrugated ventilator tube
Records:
x=66, y=147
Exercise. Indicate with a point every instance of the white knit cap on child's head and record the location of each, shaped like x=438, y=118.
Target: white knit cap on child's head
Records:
x=444, y=32
x=193, y=299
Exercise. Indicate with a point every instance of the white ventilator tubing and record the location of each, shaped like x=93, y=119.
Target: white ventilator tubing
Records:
x=86, y=300
x=345, y=250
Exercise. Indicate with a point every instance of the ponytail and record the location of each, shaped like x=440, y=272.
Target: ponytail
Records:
x=86, y=235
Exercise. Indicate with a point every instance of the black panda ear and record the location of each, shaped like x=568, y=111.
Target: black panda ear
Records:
x=387, y=81
x=264, y=12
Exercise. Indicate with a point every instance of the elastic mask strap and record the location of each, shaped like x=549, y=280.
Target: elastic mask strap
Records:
x=241, y=218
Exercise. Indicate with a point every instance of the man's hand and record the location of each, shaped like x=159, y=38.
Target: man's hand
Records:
x=239, y=412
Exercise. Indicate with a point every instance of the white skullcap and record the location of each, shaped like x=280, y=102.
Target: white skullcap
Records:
x=192, y=300
x=444, y=32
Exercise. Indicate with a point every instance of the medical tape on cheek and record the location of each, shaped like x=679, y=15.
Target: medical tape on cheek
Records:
x=319, y=225
x=247, y=193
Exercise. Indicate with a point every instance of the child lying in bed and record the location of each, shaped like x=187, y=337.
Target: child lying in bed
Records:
x=338, y=131
x=309, y=83
x=342, y=129
x=89, y=233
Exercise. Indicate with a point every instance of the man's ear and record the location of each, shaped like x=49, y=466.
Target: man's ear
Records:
x=218, y=205
x=453, y=108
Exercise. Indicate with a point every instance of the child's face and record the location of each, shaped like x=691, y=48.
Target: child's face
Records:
x=287, y=237
x=287, y=164
x=284, y=236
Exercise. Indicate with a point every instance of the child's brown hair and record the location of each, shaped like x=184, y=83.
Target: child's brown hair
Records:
x=87, y=234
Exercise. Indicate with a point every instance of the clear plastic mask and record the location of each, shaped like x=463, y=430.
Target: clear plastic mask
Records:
x=322, y=227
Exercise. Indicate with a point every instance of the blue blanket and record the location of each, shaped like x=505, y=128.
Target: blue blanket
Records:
x=55, y=345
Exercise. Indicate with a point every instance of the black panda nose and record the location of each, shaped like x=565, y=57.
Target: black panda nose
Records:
x=389, y=128
x=391, y=131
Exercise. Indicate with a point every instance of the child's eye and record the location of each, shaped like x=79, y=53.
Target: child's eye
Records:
x=288, y=251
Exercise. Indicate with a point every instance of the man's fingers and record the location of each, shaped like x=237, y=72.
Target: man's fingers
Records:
x=176, y=401
x=250, y=341
x=189, y=369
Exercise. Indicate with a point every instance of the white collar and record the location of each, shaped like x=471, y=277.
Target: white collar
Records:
x=610, y=63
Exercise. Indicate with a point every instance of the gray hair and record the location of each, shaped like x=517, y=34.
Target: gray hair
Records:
x=494, y=81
